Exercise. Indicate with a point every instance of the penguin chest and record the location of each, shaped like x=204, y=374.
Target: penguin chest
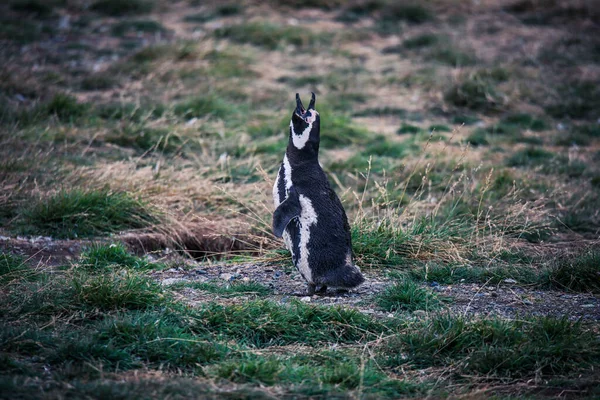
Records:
x=306, y=223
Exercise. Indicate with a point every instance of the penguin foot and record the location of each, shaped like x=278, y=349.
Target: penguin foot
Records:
x=310, y=289
x=322, y=290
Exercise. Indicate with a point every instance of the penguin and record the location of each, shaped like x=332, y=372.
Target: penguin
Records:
x=308, y=214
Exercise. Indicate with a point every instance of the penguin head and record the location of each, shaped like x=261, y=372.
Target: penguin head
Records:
x=305, y=126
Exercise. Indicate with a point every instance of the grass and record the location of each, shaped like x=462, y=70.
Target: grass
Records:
x=123, y=28
x=449, y=274
x=99, y=81
x=99, y=256
x=453, y=57
x=222, y=10
x=413, y=13
x=117, y=290
x=144, y=138
x=420, y=41
x=271, y=36
x=199, y=128
x=78, y=213
x=200, y=106
x=65, y=107
x=578, y=273
x=578, y=100
x=116, y=8
x=38, y=8
x=261, y=323
x=14, y=268
x=407, y=295
x=235, y=288
x=496, y=347
x=407, y=128
x=530, y=156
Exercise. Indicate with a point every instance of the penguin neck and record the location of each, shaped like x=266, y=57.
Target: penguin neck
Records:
x=308, y=154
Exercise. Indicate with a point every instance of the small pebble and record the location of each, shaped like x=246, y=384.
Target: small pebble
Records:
x=509, y=280
x=305, y=299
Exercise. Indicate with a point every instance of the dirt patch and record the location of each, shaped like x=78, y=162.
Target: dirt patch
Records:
x=504, y=300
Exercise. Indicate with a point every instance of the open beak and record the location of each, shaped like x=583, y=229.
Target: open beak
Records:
x=300, y=110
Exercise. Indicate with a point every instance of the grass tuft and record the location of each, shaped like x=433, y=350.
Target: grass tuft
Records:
x=271, y=36
x=230, y=290
x=78, y=213
x=476, y=94
x=123, y=28
x=534, y=347
x=264, y=323
x=117, y=289
x=98, y=257
x=116, y=8
x=14, y=268
x=407, y=295
x=579, y=273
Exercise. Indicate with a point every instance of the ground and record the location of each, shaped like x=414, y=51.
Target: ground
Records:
x=139, y=144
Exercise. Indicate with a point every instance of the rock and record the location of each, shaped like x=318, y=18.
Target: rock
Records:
x=227, y=277
x=245, y=279
x=509, y=280
x=200, y=272
x=588, y=305
x=172, y=281
x=305, y=299
x=434, y=284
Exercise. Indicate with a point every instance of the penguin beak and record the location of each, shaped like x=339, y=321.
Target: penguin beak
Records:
x=299, y=106
x=300, y=110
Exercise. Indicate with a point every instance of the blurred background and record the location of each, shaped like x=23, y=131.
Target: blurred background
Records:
x=457, y=123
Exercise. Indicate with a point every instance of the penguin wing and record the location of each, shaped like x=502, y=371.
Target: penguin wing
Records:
x=289, y=209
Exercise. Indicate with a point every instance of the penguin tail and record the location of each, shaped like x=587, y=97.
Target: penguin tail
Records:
x=347, y=277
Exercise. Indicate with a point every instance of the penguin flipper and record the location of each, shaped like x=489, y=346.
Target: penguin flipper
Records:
x=288, y=210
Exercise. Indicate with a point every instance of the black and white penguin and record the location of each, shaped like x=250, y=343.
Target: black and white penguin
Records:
x=308, y=214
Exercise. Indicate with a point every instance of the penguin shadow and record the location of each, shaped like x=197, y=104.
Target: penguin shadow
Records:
x=323, y=291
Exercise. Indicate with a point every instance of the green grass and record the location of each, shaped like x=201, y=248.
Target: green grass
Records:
x=413, y=13
x=580, y=273
x=117, y=8
x=531, y=156
x=41, y=9
x=525, y=121
x=271, y=36
x=14, y=268
x=465, y=119
x=451, y=56
x=496, y=347
x=407, y=128
x=235, y=288
x=262, y=323
x=64, y=107
x=407, y=295
x=123, y=28
x=98, y=257
x=117, y=289
x=99, y=81
x=222, y=10
x=129, y=111
x=420, y=41
x=440, y=128
x=476, y=94
x=449, y=274
x=78, y=213
x=381, y=112
x=205, y=105
x=577, y=100
x=144, y=138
